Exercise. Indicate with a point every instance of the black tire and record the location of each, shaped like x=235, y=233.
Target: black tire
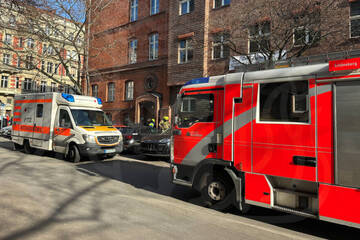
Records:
x=27, y=148
x=218, y=192
x=73, y=154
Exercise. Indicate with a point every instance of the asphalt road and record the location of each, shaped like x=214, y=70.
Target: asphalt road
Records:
x=44, y=197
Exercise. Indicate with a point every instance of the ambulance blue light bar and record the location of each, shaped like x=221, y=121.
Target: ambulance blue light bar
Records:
x=99, y=101
x=197, y=81
x=68, y=97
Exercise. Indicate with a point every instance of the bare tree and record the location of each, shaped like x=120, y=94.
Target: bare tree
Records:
x=48, y=39
x=269, y=30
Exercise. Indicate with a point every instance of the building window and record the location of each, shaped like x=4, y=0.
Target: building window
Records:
x=111, y=92
x=21, y=42
x=30, y=43
x=154, y=7
x=53, y=87
x=6, y=59
x=8, y=39
x=29, y=62
x=221, y=3
x=355, y=19
x=4, y=81
x=132, y=51
x=109, y=116
x=220, y=49
x=43, y=86
x=259, y=37
x=8, y=100
x=27, y=84
x=56, y=68
x=18, y=62
x=129, y=90
x=133, y=10
x=17, y=82
x=284, y=102
x=95, y=90
x=49, y=68
x=185, y=51
x=153, y=46
x=304, y=36
x=66, y=88
x=12, y=20
x=186, y=6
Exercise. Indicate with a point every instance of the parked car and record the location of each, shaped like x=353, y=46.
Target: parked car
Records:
x=131, y=138
x=6, y=132
x=157, y=144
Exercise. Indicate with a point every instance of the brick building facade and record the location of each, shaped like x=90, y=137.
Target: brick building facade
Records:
x=206, y=23
x=128, y=60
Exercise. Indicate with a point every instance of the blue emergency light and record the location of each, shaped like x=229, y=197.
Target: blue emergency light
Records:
x=197, y=81
x=99, y=101
x=68, y=97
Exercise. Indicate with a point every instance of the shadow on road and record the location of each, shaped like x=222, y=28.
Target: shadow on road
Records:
x=155, y=177
x=146, y=175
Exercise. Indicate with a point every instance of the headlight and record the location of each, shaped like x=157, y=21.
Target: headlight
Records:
x=164, y=140
x=89, y=138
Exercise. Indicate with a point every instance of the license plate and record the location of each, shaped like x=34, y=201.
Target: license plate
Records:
x=109, y=150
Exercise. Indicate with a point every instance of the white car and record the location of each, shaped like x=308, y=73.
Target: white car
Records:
x=6, y=132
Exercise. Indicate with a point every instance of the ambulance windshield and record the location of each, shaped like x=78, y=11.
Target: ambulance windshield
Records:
x=84, y=117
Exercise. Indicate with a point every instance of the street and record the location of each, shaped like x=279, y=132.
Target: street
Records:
x=45, y=197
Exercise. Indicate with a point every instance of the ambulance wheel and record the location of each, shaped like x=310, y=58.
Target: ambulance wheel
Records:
x=73, y=154
x=218, y=191
x=27, y=148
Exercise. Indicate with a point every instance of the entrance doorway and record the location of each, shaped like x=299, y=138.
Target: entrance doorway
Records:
x=147, y=112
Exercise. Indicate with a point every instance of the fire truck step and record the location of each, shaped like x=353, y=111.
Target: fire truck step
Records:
x=292, y=211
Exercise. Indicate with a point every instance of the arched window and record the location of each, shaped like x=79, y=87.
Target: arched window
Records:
x=94, y=90
x=129, y=90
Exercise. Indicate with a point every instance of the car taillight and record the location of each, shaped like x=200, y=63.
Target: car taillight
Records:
x=129, y=137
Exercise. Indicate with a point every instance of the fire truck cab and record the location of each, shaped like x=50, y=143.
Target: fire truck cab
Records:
x=73, y=125
x=285, y=139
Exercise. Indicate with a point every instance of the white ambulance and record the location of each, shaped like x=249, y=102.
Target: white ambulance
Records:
x=73, y=125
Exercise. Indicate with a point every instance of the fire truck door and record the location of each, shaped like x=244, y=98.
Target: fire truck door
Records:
x=195, y=135
x=347, y=134
x=63, y=128
x=241, y=130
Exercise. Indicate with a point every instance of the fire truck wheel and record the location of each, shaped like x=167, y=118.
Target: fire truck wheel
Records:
x=218, y=192
x=27, y=148
x=73, y=154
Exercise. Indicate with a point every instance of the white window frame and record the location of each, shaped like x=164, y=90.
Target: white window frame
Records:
x=6, y=58
x=353, y=18
x=17, y=82
x=307, y=36
x=95, y=90
x=187, y=48
x=4, y=81
x=154, y=46
x=274, y=122
x=221, y=5
x=49, y=67
x=129, y=90
x=43, y=86
x=27, y=84
x=53, y=87
x=188, y=9
x=8, y=39
x=30, y=43
x=111, y=92
x=259, y=34
x=221, y=44
x=133, y=10
x=133, y=51
x=154, y=7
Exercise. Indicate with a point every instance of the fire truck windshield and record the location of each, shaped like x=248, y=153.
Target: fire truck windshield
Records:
x=84, y=117
x=192, y=109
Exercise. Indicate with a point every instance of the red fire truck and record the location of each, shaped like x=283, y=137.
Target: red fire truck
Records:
x=285, y=139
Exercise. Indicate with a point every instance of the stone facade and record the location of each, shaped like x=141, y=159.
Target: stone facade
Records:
x=109, y=61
